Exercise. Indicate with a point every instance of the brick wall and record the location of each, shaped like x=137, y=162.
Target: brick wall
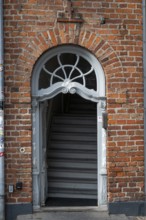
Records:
x=31, y=28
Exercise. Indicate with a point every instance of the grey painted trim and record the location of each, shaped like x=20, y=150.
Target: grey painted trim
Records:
x=72, y=88
x=39, y=96
x=43, y=143
x=102, y=172
x=136, y=208
x=100, y=78
x=13, y=210
x=36, y=154
x=144, y=67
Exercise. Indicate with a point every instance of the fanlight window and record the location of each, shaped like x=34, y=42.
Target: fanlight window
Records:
x=67, y=68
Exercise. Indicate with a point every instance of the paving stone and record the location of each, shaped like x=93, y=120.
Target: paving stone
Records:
x=82, y=215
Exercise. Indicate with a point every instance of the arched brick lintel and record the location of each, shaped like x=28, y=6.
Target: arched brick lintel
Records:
x=103, y=51
x=89, y=40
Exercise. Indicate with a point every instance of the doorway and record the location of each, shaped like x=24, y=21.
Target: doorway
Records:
x=72, y=152
x=69, y=137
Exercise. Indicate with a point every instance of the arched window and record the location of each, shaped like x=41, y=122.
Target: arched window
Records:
x=68, y=69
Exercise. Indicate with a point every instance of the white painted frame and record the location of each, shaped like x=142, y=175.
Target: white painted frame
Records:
x=39, y=96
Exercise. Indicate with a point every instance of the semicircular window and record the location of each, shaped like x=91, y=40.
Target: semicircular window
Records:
x=67, y=67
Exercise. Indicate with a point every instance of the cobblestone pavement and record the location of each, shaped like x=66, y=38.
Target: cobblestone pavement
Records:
x=76, y=215
x=140, y=218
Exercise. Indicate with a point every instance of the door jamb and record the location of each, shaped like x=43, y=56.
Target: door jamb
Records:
x=37, y=154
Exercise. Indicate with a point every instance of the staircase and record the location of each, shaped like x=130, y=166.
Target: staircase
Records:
x=72, y=154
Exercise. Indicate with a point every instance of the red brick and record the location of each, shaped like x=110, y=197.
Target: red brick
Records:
x=30, y=30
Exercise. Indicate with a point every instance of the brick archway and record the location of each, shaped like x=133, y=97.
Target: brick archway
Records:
x=78, y=56
x=66, y=34
x=105, y=54
x=89, y=40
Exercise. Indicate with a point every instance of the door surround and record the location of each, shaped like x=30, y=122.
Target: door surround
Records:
x=41, y=95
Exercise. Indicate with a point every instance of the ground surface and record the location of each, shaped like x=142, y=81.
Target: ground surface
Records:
x=76, y=215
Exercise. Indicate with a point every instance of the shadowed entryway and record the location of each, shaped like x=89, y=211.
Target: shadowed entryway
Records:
x=68, y=93
x=72, y=153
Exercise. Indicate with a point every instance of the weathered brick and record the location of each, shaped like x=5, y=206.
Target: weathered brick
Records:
x=31, y=28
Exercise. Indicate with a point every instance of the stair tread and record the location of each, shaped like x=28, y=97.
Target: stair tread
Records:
x=71, y=175
x=75, y=116
x=74, y=126
x=72, y=154
x=73, y=160
x=72, y=165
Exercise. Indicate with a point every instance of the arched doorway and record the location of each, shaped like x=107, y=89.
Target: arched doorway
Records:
x=67, y=70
